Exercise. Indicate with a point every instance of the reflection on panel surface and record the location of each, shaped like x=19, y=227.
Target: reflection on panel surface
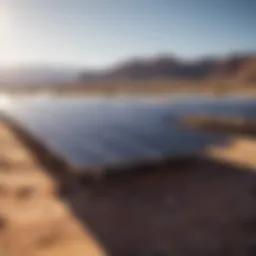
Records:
x=92, y=131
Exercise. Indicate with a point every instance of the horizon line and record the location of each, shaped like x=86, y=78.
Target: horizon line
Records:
x=128, y=59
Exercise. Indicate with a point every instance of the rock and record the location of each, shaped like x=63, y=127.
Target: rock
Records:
x=25, y=192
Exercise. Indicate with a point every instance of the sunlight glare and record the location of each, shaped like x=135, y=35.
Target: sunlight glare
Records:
x=5, y=101
x=5, y=32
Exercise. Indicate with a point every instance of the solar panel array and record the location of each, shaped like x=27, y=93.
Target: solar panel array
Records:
x=89, y=132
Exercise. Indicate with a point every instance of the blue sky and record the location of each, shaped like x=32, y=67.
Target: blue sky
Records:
x=102, y=32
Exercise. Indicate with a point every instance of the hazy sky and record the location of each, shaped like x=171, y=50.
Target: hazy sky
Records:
x=101, y=32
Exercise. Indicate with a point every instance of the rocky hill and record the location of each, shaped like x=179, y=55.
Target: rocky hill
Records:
x=240, y=68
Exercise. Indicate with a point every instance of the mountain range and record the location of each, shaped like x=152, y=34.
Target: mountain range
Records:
x=239, y=68
x=234, y=68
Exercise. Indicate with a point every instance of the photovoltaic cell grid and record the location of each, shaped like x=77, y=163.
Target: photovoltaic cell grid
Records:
x=89, y=132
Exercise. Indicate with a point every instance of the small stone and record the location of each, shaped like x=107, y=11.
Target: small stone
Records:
x=50, y=238
x=3, y=223
x=25, y=192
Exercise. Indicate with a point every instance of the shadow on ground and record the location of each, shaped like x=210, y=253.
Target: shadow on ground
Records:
x=195, y=207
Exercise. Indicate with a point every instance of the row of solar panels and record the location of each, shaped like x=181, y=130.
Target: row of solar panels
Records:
x=87, y=132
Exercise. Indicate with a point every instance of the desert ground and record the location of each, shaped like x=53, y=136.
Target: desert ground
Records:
x=152, y=87
x=204, y=205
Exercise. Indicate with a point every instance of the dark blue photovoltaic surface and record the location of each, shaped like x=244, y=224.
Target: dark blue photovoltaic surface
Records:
x=98, y=131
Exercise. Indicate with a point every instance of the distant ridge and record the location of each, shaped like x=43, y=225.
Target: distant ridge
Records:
x=237, y=67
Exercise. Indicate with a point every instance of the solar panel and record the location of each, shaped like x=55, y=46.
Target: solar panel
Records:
x=89, y=132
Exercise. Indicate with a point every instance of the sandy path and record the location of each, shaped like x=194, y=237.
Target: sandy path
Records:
x=240, y=151
x=33, y=220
